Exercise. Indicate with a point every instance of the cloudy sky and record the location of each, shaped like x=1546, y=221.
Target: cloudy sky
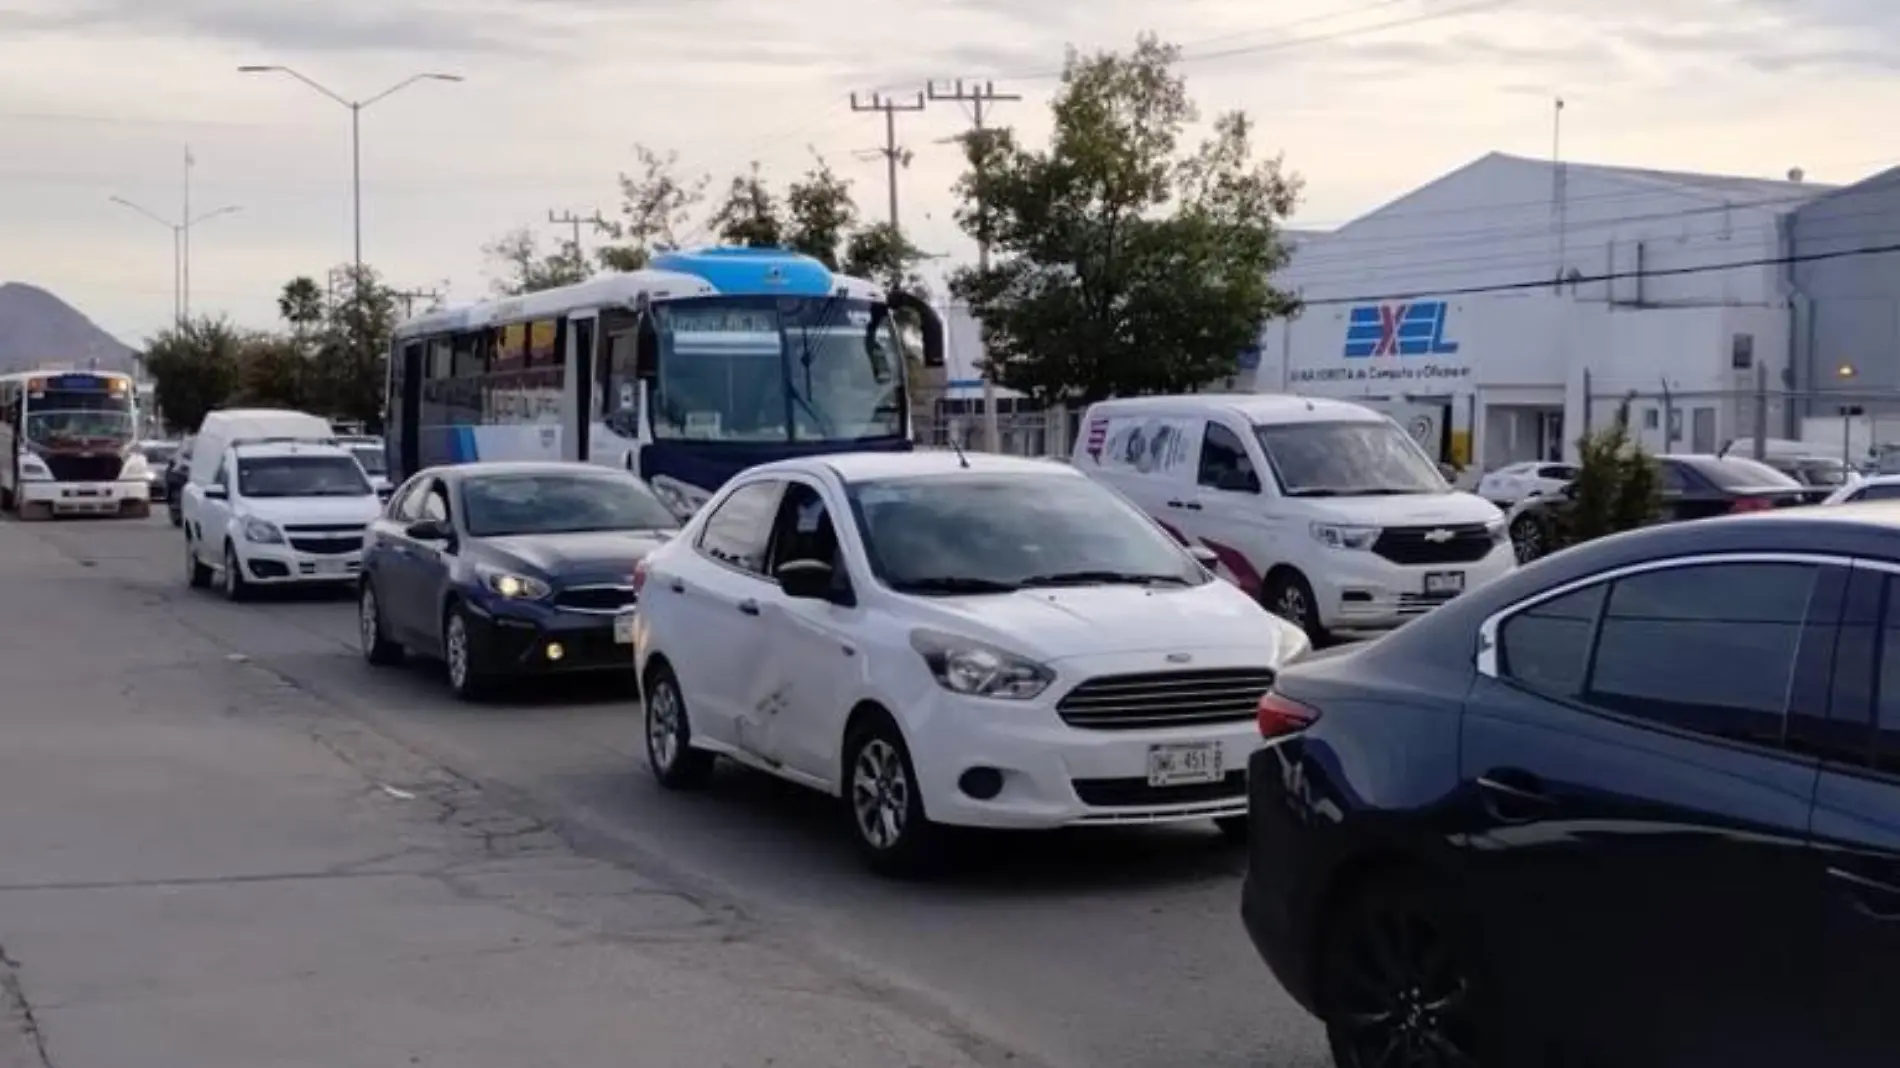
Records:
x=1366, y=98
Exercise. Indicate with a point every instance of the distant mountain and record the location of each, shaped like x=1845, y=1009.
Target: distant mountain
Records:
x=39, y=329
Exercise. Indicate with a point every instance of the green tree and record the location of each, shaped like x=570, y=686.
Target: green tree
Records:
x=881, y=253
x=273, y=371
x=1618, y=485
x=749, y=215
x=301, y=305
x=528, y=269
x=194, y=368
x=655, y=203
x=1124, y=266
x=819, y=212
x=348, y=378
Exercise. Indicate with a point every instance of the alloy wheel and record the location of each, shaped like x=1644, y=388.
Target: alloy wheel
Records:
x=663, y=727
x=455, y=651
x=1292, y=605
x=880, y=794
x=369, y=624
x=1400, y=996
x=1527, y=540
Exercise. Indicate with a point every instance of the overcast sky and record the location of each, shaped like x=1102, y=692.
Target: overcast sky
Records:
x=1367, y=100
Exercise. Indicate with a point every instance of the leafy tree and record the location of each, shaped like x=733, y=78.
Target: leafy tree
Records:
x=1618, y=486
x=749, y=216
x=528, y=269
x=301, y=305
x=883, y=254
x=819, y=212
x=272, y=372
x=655, y=204
x=352, y=351
x=194, y=368
x=1124, y=266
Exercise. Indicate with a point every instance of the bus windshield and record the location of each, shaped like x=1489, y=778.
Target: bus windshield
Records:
x=71, y=418
x=775, y=369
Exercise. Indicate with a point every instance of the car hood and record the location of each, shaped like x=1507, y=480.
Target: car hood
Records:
x=313, y=511
x=1411, y=510
x=607, y=554
x=1051, y=624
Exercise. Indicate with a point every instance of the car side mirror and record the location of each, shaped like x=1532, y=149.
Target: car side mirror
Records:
x=1237, y=481
x=1448, y=472
x=429, y=530
x=383, y=494
x=810, y=580
x=1205, y=556
x=215, y=492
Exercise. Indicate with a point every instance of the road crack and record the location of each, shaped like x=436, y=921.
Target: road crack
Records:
x=20, y=1022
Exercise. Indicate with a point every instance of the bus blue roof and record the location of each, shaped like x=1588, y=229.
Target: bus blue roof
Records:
x=746, y=271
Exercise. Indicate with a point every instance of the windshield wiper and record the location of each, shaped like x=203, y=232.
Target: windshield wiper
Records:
x=1104, y=578
x=1317, y=491
x=953, y=584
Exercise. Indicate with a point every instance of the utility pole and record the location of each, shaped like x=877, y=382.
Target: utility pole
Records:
x=977, y=96
x=184, y=241
x=894, y=156
x=568, y=218
x=410, y=296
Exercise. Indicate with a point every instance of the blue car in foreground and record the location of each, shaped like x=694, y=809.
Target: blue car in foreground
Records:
x=508, y=569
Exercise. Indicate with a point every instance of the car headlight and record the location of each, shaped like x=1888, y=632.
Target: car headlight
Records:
x=514, y=587
x=1339, y=536
x=962, y=665
x=262, y=531
x=680, y=498
x=34, y=469
x=1496, y=528
x=136, y=466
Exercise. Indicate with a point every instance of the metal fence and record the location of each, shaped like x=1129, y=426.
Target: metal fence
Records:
x=1030, y=433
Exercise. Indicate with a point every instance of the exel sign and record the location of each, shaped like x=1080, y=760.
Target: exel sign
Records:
x=1411, y=329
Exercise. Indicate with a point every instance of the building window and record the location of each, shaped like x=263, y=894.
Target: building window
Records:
x=1651, y=420
x=1742, y=352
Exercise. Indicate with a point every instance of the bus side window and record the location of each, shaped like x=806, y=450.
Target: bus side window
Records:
x=647, y=358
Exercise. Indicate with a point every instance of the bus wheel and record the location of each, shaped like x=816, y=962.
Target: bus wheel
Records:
x=35, y=511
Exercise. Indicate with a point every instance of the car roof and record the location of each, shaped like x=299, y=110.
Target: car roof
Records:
x=479, y=469
x=921, y=463
x=1265, y=408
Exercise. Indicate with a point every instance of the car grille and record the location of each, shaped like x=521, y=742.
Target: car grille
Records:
x=67, y=468
x=1165, y=699
x=605, y=599
x=1136, y=793
x=325, y=539
x=1467, y=544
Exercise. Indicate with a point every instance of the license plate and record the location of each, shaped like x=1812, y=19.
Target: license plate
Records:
x=1444, y=583
x=332, y=567
x=1179, y=765
x=623, y=628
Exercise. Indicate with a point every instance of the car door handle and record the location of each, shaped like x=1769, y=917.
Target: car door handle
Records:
x=676, y=586
x=1513, y=797
x=1192, y=506
x=1872, y=898
x=749, y=607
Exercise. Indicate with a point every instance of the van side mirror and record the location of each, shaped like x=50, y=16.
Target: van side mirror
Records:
x=215, y=492
x=811, y=580
x=1205, y=556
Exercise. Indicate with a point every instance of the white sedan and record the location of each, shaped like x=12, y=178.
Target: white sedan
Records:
x=984, y=642
x=1517, y=482
x=1873, y=488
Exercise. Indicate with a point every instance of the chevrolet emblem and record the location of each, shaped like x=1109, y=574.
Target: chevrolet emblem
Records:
x=1439, y=536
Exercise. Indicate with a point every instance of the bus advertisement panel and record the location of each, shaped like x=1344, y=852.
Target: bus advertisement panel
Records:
x=68, y=445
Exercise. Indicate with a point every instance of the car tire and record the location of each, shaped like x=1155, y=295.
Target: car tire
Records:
x=884, y=806
x=1233, y=828
x=466, y=678
x=1528, y=538
x=231, y=580
x=377, y=648
x=1420, y=992
x=1288, y=595
x=669, y=733
x=197, y=575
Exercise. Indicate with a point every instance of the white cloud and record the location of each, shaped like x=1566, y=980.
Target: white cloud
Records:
x=102, y=95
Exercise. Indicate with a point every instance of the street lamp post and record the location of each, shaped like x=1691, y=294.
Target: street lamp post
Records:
x=356, y=141
x=181, y=250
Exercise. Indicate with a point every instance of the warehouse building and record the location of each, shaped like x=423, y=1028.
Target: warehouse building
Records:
x=1506, y=306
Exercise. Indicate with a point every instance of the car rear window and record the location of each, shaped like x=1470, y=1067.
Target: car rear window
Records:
x=1735, y=472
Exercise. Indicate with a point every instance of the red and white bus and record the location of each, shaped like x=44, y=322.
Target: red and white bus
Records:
x=68, y=445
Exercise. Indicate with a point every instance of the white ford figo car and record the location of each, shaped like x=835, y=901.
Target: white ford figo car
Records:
x=940, y=640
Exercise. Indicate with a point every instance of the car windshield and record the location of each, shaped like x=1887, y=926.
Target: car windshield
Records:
x=502, y=505
x=300, y=476
x=372, y=458
x=982, y=533
x=1347, y=460
x=753, y=369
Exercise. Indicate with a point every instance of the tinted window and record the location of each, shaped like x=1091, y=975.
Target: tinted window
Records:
x=1223, y=457
x=551, y=503
x=372, y=458
x=739, y=532
x=1557, y=471
x=300, y=476
x=1708, y=648
x=1547, y=647
x=1674, y=478
x=804, y=531
x=964, y=534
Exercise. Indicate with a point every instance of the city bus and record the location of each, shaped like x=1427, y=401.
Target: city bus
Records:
x=68, y=445
x=687, y=372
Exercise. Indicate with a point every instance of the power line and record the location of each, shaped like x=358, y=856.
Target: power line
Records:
x=569, y=218
x=894, y=155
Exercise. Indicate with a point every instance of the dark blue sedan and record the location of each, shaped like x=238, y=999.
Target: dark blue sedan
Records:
x=1635, y=805
x=507, y=569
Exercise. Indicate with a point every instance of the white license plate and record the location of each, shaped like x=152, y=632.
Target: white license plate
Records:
x=1179, y=765
x=1444, y=583
x=332, y=567
x=623, y=628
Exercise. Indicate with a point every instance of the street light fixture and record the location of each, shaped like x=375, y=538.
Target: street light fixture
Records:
x=356, y=142
x=181, y=250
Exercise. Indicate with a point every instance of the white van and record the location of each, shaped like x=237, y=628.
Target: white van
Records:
x=273, y=499
x=1327, y=511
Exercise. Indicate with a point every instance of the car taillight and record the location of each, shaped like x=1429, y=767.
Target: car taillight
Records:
x=639, y=577
x=1751, y=504
x=1279, y=716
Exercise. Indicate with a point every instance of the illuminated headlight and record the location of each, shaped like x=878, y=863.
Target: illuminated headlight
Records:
x=34, y=469
x=136, y=467
x=262, y=531
x=1336, y=536
x=514, y=587
x=963, y=666
x=681, y=499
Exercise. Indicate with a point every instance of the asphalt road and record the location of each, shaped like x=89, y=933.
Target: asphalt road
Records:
x=1106, y=949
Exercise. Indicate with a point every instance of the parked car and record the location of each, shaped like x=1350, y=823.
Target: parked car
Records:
x=1693, y=487
x=369, y=452
x=1512, y=483
x=1874, y=488
x=177, y=473
x=976, y=641
x=1632, y=805
x=508, y=569
x=1328, y=512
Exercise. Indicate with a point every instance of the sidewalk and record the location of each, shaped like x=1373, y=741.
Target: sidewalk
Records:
x=203, y=867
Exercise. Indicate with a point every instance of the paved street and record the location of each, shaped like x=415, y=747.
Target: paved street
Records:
x=225, y=841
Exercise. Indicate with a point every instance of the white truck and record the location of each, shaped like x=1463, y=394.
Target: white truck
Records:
x=273, y=499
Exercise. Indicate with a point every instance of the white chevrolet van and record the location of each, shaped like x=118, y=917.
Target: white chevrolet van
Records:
x=1327, y=511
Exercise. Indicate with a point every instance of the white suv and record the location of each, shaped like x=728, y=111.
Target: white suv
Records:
x=276, y=513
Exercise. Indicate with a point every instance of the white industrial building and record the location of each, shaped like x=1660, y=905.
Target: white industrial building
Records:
x=1504, y=307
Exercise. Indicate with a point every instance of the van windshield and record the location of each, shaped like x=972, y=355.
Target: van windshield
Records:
x=1355, y=459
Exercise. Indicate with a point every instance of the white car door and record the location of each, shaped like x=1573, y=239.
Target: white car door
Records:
x=214, y=513
x=718, y=638
x=1230, y=510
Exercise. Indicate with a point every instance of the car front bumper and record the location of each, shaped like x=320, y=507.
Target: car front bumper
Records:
x=275, y=564
x=515, y=640
x=1360, y=590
